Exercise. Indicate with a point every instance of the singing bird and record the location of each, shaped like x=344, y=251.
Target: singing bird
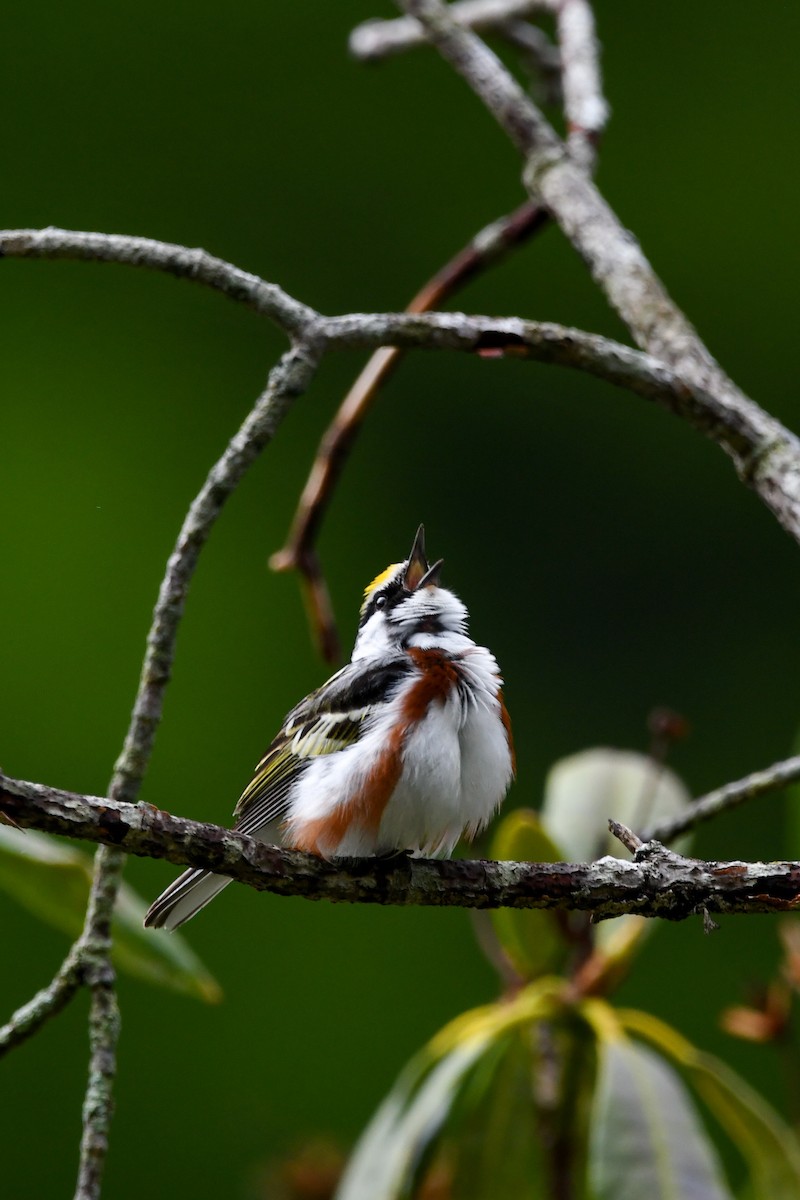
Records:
x=408, y=747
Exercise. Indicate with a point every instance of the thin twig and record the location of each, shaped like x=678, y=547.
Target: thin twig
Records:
x=657, y=883
x=555, y=180
x=766, y=455
x=540, y=58
x=585, y=107
x=731, y=795
x=299, y=553
x=94, y=947
x=378, y=39
x=194, y=264
x=287, y=381
x=622, y=833
x=30, y=1017
x=88, y=962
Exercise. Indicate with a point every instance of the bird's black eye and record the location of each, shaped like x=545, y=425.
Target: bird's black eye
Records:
x=380, y=602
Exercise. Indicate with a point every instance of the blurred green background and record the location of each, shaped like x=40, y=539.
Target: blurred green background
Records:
x=607, y=553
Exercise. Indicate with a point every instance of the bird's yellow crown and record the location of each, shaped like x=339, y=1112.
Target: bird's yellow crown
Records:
x=379, y=579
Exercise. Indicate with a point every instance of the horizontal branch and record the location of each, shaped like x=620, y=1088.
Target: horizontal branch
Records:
x=376, y=39
x=658, y=883
x=195, y=264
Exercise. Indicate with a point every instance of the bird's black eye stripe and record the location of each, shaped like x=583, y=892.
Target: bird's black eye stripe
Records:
x=385, y=599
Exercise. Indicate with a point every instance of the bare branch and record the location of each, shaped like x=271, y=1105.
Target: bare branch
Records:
x=194, y=264
x=377, y=39
x=98, y=1104
x=94, y=948
x=737, y=424
x=288, y=380
x=767, y=456
x=658, y=883
x=731, y=795
x=89, y=960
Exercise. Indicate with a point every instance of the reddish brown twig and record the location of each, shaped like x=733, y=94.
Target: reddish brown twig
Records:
x=299, y=552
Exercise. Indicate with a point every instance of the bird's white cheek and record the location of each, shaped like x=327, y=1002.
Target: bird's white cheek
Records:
x=373, y=639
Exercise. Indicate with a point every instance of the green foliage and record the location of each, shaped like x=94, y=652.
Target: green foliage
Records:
x=770, y=1147
x=646, y=1137
x=393, y=1148
x=583, y=791
x=553, y=1086
x=52, y=880
x=532, y=938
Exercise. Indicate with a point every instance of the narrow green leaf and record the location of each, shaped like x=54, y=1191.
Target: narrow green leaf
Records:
x=583, y=791
x=386, y=1160
x=532, y=938
x=52, y=880
x=647, y=1141
x=768, y=1145
x=496, y=1147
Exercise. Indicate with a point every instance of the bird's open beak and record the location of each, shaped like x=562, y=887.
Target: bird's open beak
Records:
x=418, y=573
x=417, y=562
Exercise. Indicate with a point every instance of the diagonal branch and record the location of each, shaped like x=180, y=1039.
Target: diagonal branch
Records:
x=29, y=1018
x=376, y=39
x=88, y=962
x=577, y=69
x=730, y=795
x=657, y=883
x=299, y=553
x=613, y=255
x=288, y=380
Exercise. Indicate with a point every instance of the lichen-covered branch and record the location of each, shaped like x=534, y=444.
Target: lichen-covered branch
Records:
x=89, y=963
x=377, y=39
x=182, y=261
x=612, y=253
x=30, y=1017
x=738, y=425
x=288, y=380
x=658, y=883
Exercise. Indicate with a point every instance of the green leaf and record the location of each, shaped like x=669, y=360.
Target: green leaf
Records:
x=52, y=880
x=385, y=1161
x=583, y=791
x=647, y=1141
x=531, y=938
x=769, y=1146
x=496, y=1147
x=390, y=1152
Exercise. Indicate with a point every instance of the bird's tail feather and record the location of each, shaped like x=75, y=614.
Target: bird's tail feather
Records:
x=190, y=892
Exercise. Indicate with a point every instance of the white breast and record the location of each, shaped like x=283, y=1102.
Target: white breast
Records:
x=457, y=766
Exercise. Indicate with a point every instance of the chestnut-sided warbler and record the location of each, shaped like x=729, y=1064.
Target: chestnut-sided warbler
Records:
x=406, y=748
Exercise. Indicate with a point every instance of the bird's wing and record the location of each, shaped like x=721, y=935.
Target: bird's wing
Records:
x=326, y=722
